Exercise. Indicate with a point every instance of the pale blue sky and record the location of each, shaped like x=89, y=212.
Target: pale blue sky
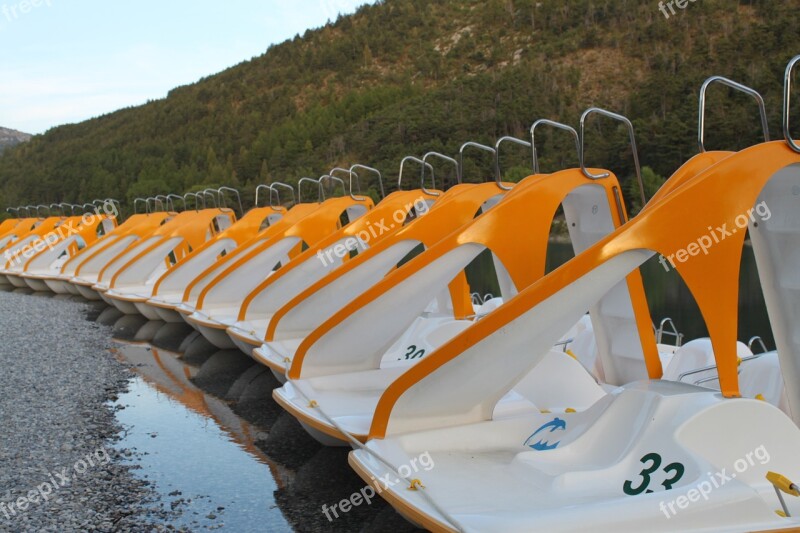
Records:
x=64, y=61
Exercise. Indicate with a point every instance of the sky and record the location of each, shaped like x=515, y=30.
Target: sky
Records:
x=64, y=61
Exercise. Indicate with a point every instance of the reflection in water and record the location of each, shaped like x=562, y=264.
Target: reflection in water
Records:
x=196, y=466
x=233, y=459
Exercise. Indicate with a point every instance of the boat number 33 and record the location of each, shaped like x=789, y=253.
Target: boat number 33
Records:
x=652, y=462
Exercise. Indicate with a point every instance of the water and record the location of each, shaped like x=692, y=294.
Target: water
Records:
x=220, y=453
x=165, y=433
x=210, y=471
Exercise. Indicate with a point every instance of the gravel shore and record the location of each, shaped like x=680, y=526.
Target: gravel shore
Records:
x=58, y=469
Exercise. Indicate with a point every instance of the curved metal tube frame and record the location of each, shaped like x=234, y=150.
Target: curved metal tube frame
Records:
x=479, y=146
x=631, y=134
x=423, y=166
x=368, y=169
x=553, y=124
x=497, y=145
x=320, y=195
x=701, y=125
x=274, y=186
x=222, y=190
x=787, y=94
x=446, y=159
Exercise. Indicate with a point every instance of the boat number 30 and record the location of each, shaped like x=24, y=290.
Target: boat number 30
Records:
x=652, y=466
x=413, y=353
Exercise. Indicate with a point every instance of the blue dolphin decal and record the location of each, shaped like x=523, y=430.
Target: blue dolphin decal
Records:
x=542, y=445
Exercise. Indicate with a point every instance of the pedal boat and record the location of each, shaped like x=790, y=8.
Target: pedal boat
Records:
x=308, y=309
x=327, y=257
x=142, y=264
x=219, y=301
x=652, y=454
x=140, y=286
x=347, y=378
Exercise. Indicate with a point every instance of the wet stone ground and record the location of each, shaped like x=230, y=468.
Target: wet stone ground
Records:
x=180, y=436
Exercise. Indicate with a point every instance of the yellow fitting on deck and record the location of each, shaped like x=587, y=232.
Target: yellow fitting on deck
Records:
x=415, y=483
x=783, y=483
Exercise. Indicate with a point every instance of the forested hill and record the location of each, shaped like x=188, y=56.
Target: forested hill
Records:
x=9, y=137
x=408, y=76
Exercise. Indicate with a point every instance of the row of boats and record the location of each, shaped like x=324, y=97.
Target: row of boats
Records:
x=553, y=404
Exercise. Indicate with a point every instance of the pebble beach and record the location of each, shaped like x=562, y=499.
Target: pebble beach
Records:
x=58, y=468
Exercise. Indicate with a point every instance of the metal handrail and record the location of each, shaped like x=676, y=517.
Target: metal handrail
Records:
x=40, y=206
x=349, y=177
x=498, y=171
x=554, y=124
x=258, y=190
x=58, y=206
x=211, y=193
x=181, y=198
x=196, y=200
x=714, y=367
x=334, y=179
x=157, y=200
x=148, y=200
x=674, y=333
x=167, y=202
x=787, y=94
x=222, y=190
x=479, y=146
x=116, y=203
x=628, y=124
x=300, y=182
x=136, y=202
x=757, y=339
x=274, y=186
x=15, y=210
x=368, y=169
x=706, y=380
x=701, y=125
x=423, y=166
x=446, y=159
x=696, y=371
